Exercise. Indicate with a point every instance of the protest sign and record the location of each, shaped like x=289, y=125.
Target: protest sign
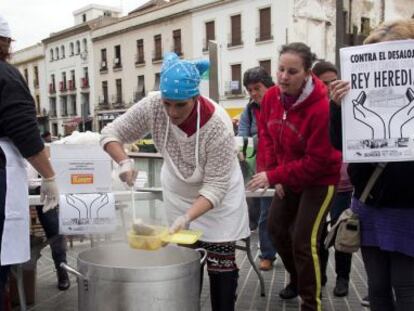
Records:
x=378, y=112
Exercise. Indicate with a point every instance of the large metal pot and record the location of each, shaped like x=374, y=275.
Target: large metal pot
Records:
x=118, y=278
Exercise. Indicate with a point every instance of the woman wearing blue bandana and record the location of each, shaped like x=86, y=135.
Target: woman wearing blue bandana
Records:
x=202, y=182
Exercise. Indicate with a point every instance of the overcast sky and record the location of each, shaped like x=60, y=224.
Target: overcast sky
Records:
x=33, y=20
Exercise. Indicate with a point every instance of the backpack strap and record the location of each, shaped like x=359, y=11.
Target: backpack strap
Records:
x=371, y=182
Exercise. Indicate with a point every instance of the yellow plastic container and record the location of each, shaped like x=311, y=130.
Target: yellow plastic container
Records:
x=183, y=237
x=148, y=242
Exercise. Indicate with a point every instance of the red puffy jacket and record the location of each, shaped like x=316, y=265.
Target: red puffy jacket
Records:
x=295, y=142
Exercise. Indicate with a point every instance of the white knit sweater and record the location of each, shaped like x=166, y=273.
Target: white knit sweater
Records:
x=217, y=150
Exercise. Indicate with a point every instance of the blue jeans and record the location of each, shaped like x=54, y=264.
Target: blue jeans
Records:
x=266, y=247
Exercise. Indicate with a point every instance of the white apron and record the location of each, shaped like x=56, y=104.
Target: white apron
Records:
x=15, y=245
x=224, y=223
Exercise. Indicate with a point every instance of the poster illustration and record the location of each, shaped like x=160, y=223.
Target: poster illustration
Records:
x=378, y=112
x=87, y=213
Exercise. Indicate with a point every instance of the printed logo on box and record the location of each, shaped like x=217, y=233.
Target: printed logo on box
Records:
x=81, y=179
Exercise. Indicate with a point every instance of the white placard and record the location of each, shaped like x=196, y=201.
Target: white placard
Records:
x=378, y=112
x=87, y=213
x=81, y=168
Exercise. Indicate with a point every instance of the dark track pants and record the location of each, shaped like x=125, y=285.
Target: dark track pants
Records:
x=295, y=224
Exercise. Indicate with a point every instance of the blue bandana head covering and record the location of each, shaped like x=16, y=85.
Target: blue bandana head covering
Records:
x=180, y=78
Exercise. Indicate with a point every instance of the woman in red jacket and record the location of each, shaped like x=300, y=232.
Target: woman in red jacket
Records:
x=302, y=165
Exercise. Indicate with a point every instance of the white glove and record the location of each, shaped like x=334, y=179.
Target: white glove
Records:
x=127, y=171
x=180, y=223
x=49, y=194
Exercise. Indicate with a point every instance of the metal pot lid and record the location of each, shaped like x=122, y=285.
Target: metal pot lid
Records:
x=122, y=256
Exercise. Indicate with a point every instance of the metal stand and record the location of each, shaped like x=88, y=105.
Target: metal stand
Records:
x=248, y=251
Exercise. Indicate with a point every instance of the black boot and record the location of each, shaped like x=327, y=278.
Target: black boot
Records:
x=289, y=292
x=223, y=287
x=63, y=279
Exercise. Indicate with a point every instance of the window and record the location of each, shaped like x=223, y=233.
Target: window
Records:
x=57, y=53
x=210, y=34
x=36, y=76
x=63, y=83
x=37, y=104
x=365, y=26
x=118, y=83
x=104, y=65
x=266, y=65
x=52, y=107
x=26, y=75
x=64, y=106
x=78, y=49
x=177, y=42
x=83, y=18
x=72, y=85
x=51, y=55
x=105, y=91
x=158, y=48
x=85, y=45
x=157, y=82
x=62, y=51
x=236, y=79
x=117, y=59
x=140, y=52
x=85, y=79
x=72, y=49
x=235, y=38
x=265, y=29
x=72, y=108
x=140, y=93
x=54, y=129
x=52, y=85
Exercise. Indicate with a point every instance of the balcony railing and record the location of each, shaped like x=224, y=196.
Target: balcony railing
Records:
x=264, y=35
x=117, y=63
x=156, y=56
x=62, y=86
x=71, y=84
x=139, y=59
x=52, y=89
x=84, y=83
x=104, y=66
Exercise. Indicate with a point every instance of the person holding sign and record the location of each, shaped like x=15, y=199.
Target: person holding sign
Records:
x=387, y=215
x=20, y=138
x=328, y=73
x=201, y=178
x=302, y=165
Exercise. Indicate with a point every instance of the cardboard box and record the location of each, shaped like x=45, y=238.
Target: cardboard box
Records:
x=81, y=168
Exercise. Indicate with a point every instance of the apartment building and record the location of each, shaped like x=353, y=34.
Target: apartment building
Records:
x=69, y=63
x=30, y=62
x=128, y=54
x=247, y=33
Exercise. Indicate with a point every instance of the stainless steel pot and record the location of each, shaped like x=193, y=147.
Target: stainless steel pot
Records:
x=119, y=278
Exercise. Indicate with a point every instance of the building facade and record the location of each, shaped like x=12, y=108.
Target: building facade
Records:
x=69, y=64
x=31, y=64
x=128, y=54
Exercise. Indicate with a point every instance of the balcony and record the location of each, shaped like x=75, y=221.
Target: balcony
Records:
x=139, y=59
x=71, y=85
x=233, y=89
x=84, y=85
x=104, y=67
x=117, y=64
x=52, y=113
x=264, y=35
x=234, y=40
x=62, y=87
x=103, y=104
x=157, y=56
x=52, y=89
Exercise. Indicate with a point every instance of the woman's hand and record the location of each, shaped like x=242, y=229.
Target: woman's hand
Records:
x=339, y=89
x=258, y=180
x=279, y=191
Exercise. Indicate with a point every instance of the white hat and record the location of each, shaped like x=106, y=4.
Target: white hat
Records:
x=4, y=28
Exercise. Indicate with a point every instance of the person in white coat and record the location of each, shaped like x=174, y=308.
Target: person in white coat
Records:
x=201, y=179
x=19, y=137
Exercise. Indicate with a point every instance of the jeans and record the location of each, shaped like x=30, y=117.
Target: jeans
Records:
x=266, y=246
x=390, y=279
